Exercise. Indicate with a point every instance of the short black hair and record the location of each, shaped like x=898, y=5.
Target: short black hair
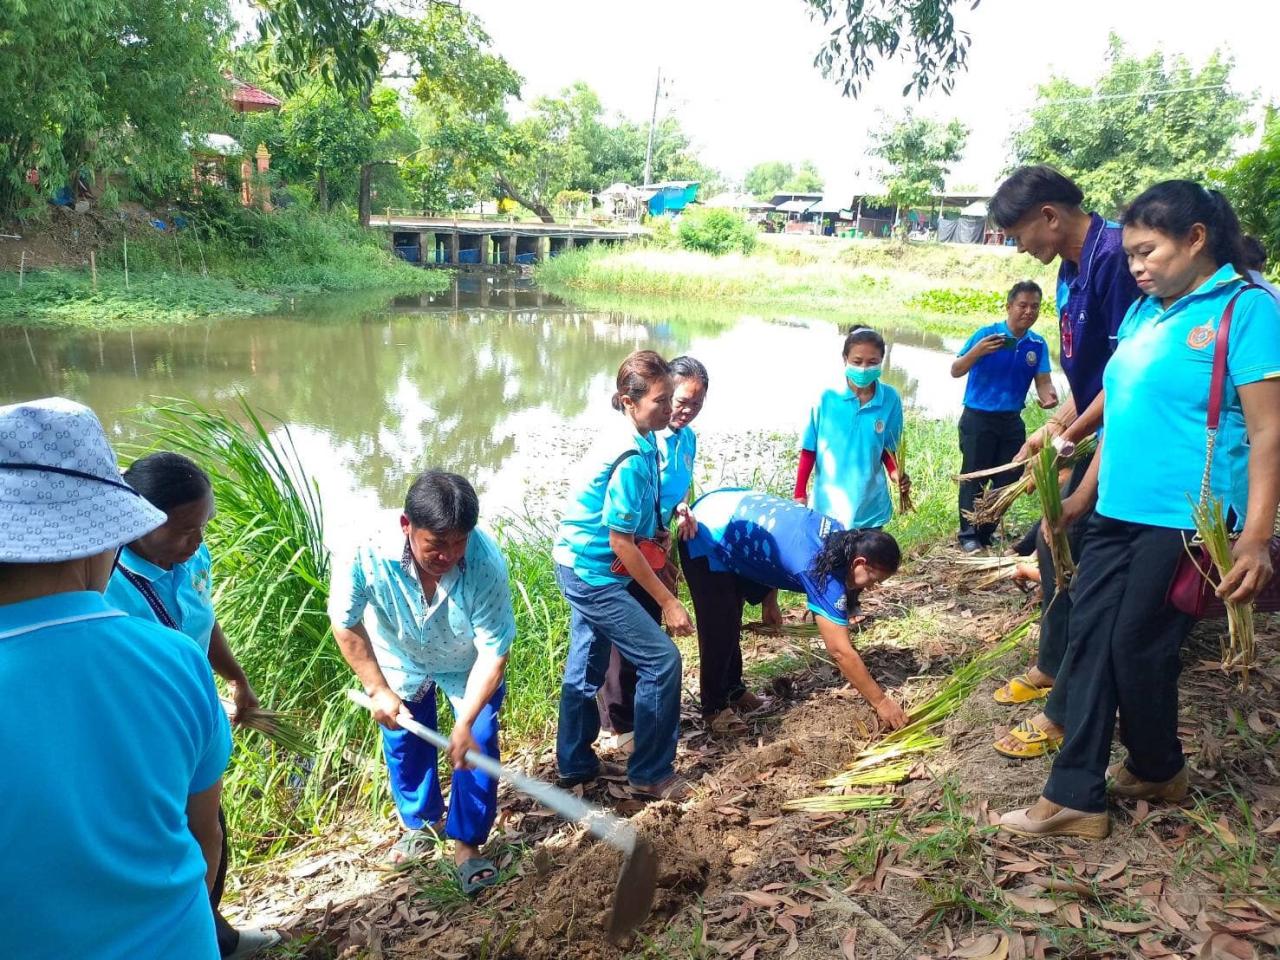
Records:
x=1021, y=287
x=168, y=480
x=859, y=333
x=442, y=503
x=1031, y=187
x=1253, y=252
x=687, y=368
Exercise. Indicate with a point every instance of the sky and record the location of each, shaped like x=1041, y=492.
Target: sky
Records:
x=740, y=74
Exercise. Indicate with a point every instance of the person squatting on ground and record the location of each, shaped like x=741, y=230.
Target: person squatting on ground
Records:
x=1041, y=209
x=1123, y=648
x=441, y=604
x=1001, y=360
x=109, y=819
x=751, y=545
x=853, y=431
x=165, y=576
x=612, y=514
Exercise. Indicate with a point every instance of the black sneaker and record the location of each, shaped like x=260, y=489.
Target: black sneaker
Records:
x=970, y=546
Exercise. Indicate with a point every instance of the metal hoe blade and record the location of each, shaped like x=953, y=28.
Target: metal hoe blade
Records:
x=633, y=894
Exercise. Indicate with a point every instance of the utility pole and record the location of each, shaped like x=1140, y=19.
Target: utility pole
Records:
x=653, y=122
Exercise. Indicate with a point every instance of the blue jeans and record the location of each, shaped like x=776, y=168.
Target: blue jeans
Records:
x=600, y=618
x=415, y=774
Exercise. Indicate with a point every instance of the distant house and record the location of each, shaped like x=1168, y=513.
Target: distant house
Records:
x=669, y=197
x=211, y=152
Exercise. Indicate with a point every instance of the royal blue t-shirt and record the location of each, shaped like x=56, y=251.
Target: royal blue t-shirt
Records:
x=1092, y=299
x=99, y=758
x=770, y=541
x=998, y=382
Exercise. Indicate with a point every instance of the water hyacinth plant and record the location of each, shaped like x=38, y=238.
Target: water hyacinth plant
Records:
x=1238, y=647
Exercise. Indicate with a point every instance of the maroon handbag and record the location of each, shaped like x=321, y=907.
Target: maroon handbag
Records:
x=1196, y=578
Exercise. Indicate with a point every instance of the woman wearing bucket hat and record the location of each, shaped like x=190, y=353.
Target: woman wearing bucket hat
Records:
x=165, y=576
x=113, y=738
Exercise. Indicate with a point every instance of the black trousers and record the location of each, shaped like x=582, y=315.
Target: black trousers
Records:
x=1055, y=605
x=228, y=936
x=617, y=695
x=987, y=439
x=1122, y=653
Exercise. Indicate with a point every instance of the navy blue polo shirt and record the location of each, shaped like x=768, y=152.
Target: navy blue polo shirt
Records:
x=999, y=381
x=1092, y=299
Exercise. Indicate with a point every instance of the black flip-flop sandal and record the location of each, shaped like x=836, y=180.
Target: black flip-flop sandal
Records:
x=476, y=874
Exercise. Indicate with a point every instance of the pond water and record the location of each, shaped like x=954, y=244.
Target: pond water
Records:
x=494, y=379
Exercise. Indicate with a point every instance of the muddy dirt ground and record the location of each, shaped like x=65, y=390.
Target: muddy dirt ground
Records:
x=741, y=877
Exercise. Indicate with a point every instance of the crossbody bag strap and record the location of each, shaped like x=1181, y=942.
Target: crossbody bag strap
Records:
x=1217, y=392
x=657, y=483
x=143, y=586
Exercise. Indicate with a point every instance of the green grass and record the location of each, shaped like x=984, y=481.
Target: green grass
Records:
x=239, y=263
x=942, y=289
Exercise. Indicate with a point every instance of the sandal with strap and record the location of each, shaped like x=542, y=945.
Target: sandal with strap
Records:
x=413, y=845
x=751, y=705
x=674, y=787
x=726, y=723
x=607, y=770
x=475, y=874
x=1033, y=742
x=1020, y=689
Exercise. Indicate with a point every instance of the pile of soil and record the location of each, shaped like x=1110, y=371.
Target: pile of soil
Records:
x=60, y=237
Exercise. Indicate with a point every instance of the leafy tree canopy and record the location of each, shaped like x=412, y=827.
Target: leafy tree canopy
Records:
x=864, y=32
x=917, y=154
x=1253, y=185
x=775, y=176
x=104, y=84
x=1144, y=120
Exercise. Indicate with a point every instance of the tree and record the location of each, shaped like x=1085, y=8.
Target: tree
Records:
x=775, y=176
x=1142, y=121
x=865, y=31
x=1253, y=185
x=917, y=154
x=95, y=84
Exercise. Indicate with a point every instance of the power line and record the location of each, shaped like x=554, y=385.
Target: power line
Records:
x=1093, y=98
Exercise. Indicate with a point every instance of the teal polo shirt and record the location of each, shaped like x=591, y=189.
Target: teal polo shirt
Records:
x=609, y=494
x=98, y=858
x=770, y=541
x=999, y=381
x=677, y=453
x=1157, y=398
x=416, y=640
x=185, y=590
x=848, y=439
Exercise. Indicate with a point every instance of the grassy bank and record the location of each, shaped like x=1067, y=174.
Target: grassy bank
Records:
x=239, y=264
x=938, y=288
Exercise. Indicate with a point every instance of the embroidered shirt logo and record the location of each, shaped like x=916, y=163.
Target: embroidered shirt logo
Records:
x=879, y=426
x=1200, y=337
x=1031, y=358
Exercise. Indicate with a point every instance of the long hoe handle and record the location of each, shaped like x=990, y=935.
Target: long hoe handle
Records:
x=612, y=830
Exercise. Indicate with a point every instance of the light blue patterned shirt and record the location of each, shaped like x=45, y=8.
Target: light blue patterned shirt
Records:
x=416, y=640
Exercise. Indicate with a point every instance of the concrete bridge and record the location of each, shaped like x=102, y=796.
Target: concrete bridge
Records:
x=448, y=241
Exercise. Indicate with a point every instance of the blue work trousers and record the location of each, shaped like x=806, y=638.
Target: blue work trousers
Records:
x=415, y=774
x=602, y=617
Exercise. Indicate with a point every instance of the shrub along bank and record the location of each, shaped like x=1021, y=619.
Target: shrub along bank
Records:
x=222, y=260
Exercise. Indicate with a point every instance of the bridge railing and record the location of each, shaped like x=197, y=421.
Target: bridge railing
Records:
x=392, y=213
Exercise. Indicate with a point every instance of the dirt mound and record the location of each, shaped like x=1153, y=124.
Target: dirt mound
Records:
x=60, y=237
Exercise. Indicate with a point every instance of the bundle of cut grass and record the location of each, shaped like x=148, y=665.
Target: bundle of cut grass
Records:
x=904, y=496
x=1238, y=648
x=281, y=728
x=995, y=503
x=841, y=803
x=1044, y=469
x=782, y=629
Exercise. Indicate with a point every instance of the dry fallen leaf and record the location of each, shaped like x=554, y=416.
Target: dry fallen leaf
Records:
x=1122, y=926
x=848, y=943
x=1112, y=871
x=983, y=948
x=1223, y=946
x=1031, y=904
x=760, y=898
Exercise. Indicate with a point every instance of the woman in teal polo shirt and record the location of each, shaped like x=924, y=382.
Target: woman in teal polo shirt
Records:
x=750, y=545
x=165, y=577
x=849, y=433
x=612, y=506
x=1124, y=638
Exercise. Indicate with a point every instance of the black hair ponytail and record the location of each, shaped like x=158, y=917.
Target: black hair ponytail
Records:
x=168, y=480
x=841, y=547
x=1175, y=206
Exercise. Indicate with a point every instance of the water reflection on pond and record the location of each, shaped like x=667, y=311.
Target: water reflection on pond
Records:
x=499, y=381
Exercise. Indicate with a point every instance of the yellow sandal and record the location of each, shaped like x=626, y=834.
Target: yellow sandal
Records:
x=1020, y=689
x=1033, y=742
